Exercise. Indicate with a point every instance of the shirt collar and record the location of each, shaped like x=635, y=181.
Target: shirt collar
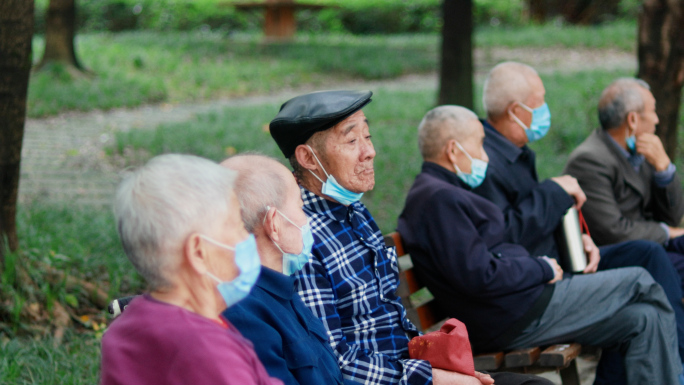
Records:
x=276, y=283
x=500, y=143
x=442, y=173
x=634, y=159
x=317, y=204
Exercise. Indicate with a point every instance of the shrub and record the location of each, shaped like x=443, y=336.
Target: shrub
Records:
x=353, y=16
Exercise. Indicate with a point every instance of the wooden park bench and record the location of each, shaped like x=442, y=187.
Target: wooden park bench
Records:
x=279, y=16
x=423, y=311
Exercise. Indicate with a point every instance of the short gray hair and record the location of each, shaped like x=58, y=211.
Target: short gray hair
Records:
x=160, y=204
x=258, y=184
x=506, y=83
x=440, y=125
x=619, y=99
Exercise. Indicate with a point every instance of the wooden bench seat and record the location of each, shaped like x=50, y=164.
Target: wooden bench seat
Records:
x=424, y=313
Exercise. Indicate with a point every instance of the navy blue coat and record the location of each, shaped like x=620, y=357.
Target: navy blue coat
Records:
x=532, y=210
x=289, y=340
x=456, y=241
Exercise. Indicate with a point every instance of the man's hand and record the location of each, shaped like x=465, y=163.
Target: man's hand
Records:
x=445, y=377
x=675, y=232
x=570, y=185
x=485, y=379
x=593, y=254
x=558, y=272
x=650, y=146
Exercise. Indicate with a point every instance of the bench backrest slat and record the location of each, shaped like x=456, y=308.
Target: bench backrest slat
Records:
x=415, y=296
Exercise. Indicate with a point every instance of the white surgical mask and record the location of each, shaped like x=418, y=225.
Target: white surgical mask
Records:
x=333, y=189
x=292, y=263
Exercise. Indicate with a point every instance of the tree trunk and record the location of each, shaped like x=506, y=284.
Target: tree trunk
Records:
x=588, y=11
x=16, y=31
x=538, y=10
x=456, y=69
x=60, y=29
x=661, y=63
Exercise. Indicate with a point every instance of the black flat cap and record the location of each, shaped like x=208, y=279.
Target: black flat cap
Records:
x=302, y=116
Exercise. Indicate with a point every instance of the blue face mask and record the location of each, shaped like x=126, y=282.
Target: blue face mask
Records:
x=333, y=189
x=541, y=121
x=292, y=263
x=631, y=142
x=478, y=170
x=247, y=260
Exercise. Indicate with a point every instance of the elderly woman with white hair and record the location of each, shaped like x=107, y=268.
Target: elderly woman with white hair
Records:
x=180, y=226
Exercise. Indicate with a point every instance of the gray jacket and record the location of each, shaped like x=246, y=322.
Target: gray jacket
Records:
x=622, y=204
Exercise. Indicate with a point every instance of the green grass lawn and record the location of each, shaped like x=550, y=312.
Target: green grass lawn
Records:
x=76, y=361
x=136, y=68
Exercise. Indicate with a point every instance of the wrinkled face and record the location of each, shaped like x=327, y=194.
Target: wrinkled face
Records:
x=535, y=100
x=292, y=208
x=647, y=120
x=349, y=154
x=230, y=231
x=473, y=145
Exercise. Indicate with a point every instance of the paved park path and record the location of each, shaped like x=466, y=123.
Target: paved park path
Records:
x=64, y=160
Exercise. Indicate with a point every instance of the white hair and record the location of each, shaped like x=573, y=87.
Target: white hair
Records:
x=442, y=124
x=159, y=205
x=619, y=99
x=506, y=83
x=259, y=183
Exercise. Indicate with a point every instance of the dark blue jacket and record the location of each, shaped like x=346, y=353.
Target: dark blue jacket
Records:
x=457, y=245
x=290, y=342
x=532, y=210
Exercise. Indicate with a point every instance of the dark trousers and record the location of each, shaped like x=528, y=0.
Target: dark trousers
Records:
x=518, y=379
x=652, y=257
x=675, y=250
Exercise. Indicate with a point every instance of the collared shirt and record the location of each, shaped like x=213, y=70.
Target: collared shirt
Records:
x=532, y=210
x=350, y=284
x=661, y=178
x=289, y=340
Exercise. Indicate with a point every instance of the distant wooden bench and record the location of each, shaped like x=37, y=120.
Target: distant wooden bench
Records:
x=279, y=15
x=423, y=311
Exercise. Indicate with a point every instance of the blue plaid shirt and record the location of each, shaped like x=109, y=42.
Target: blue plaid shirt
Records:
x=350, y=284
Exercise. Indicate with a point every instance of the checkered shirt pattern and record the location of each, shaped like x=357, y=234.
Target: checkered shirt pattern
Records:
x=350, y=284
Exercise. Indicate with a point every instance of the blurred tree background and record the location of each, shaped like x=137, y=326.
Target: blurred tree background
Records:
x=352, y=16
x=108, y=72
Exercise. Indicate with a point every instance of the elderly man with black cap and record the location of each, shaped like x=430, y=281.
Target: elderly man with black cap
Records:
x=350, y=283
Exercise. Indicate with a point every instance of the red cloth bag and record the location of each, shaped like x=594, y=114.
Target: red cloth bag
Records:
x=448, y=349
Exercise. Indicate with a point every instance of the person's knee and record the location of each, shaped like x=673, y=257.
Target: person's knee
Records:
x=641, y=319
x=646, y=252
x=634, y=274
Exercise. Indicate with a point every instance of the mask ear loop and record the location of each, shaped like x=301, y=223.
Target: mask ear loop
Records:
x=517, y=120
x=217, y=243
x=319, y=163
x=466, y=154
x=212, y=276
x=283, y=215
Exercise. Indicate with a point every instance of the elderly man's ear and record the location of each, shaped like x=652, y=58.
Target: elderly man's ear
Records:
x=450, y=151
x=271, y=227
x=305, y=157
x=632, y=121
